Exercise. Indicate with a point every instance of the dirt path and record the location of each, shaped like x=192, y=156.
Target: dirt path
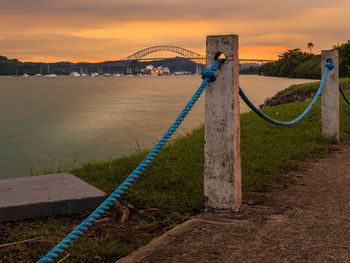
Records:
x=308, y=222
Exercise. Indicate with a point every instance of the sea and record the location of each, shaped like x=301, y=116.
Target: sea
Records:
x=55, y=123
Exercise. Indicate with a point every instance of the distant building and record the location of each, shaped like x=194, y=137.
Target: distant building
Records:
x=150, y=69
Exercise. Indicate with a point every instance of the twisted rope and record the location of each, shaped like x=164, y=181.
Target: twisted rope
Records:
x=208, y=75
x=343, y=94
x=328, y=66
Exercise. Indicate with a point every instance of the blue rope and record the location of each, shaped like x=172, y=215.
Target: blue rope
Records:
x=343, y=94
x=328, y=66
x=208, y=75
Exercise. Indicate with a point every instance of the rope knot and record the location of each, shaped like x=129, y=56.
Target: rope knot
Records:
x=208, y=74
x=329, y=65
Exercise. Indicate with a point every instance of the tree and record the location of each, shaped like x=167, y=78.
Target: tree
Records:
x=344, y=59
x=310, y=45
x=290, y=63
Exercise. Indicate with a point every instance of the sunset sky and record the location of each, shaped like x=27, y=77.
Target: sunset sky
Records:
x=77, y=30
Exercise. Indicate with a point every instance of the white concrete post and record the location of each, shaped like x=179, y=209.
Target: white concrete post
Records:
x=330, y=96
x=222, y=156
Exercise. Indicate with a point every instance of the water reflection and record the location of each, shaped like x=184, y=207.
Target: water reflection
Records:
x=97, y=118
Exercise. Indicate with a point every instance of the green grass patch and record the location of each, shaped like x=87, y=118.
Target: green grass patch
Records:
x=173, y=183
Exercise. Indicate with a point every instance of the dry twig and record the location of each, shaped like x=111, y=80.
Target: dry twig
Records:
x=125, y=211
x=66, y=256
x=103, y=220
x=19, y=242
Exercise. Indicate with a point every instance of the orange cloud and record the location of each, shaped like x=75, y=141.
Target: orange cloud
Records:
x=261, y=52
x=139, y=30
x=107, y=30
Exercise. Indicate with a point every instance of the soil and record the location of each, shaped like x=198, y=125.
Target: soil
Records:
x=307, y=222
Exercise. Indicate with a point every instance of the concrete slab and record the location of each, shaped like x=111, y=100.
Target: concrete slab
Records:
x=46, y=195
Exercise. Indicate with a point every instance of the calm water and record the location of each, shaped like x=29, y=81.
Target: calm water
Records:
x=62, y=119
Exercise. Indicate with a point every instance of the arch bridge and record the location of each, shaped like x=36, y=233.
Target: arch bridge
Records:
x=185, y=53
x=177, y=50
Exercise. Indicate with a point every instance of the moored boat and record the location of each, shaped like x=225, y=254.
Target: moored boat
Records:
x=51, y=75
x=74, y=74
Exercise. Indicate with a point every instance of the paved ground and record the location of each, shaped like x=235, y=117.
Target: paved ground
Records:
x=307, y=222
x=46, y=195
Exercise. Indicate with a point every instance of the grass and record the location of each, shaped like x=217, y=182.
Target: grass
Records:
x=173, y=183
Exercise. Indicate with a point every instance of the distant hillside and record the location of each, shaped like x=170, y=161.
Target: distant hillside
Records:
x=13, y=66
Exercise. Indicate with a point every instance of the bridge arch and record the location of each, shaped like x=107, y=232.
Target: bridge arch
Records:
x=178, y=50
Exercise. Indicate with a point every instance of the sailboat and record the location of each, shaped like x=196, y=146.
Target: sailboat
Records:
x=48, y=72
x=51, y=75
x=39, y=74
x=16, y=75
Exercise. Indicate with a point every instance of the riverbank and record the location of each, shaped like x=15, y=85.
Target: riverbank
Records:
x=301, y=92
x=171, y=190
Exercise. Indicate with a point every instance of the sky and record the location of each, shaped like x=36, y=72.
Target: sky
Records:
x=89, y=30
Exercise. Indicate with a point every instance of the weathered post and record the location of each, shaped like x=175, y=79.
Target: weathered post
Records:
x=222, y=164
x=330, y=96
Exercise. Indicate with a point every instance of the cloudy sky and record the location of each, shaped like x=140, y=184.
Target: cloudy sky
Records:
x=89, y=30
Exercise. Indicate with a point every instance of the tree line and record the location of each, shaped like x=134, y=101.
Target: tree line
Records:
x=11, y=67
x=16, y=67
x=294, y=63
